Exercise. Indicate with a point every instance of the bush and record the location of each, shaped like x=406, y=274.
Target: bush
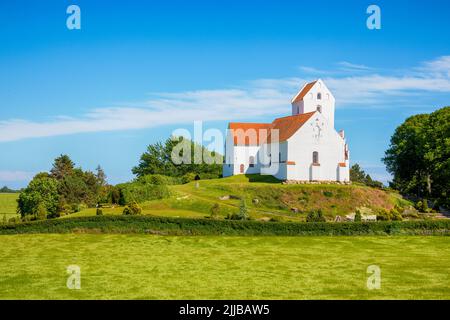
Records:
x=159, y=179
x=315, y=216
x=99, y=212
x=132, y=209
x=215, y=211
x=243, y=211
x=358, y=217
x=188, y=177
x=140, y=192
x=328, y=194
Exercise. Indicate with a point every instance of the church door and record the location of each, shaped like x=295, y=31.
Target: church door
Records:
x=242, y=168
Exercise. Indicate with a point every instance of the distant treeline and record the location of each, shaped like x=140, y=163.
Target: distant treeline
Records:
x=184, y=226
x=5, y=189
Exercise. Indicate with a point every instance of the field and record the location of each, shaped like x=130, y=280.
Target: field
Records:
x=8, y=205
x=214, y=267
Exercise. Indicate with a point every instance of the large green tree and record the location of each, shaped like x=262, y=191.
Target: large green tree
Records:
x=159, y=159
x=62, y=167
x=40, y=194
x=419, y=156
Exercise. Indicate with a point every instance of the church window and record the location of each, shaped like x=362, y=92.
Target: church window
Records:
x=319, y=108
x=319, y=96
x=251, y=161
x=315, y=157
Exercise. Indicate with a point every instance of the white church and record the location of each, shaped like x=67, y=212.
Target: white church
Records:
x=302, y=147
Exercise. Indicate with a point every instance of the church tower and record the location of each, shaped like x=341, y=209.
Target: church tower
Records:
x=314, y=96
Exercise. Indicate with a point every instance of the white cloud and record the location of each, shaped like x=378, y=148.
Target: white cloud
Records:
x=11, y=176
x=262, y=97
x=348, y=66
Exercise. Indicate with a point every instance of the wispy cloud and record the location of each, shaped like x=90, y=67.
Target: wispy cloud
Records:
x=352, y=67
x=14, y=176
x=258, y=98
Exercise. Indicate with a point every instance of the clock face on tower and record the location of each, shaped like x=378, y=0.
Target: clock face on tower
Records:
x=317, y=127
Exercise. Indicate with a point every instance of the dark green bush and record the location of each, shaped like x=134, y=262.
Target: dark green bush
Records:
x=315, y=216
x=99, y=212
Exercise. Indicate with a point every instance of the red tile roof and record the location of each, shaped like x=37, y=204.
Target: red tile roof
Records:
x=286, y=127
x=304, y=91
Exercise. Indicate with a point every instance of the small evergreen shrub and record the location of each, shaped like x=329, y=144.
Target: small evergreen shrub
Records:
x=99, y=212
x=358, y=217
x=132, y=209
x=315, y=216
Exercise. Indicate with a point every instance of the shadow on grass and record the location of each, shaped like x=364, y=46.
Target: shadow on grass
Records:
x=262, y=178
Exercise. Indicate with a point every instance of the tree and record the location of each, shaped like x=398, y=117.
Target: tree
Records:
x=357, y=174
x=62, y=167
x=419, y=156
x=101, y=176
x=158, y=159
x=41, y=193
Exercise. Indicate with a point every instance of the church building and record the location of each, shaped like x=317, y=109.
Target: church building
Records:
x=304, y=146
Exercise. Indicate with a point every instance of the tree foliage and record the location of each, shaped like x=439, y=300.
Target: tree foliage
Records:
x=158, y=160
x=419, y=156
x=64, y=190
x=40, y=194
x=357, y=174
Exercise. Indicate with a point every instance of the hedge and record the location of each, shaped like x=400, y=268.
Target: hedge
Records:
x=185, y=226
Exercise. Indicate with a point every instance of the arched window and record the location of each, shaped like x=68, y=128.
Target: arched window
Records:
x=315, y=157
x=251, y=161
x=319, y=108
x=311, y=95
x=319, y=96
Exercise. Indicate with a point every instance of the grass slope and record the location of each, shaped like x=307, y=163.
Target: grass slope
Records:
x=214, y=267
x=274, y=200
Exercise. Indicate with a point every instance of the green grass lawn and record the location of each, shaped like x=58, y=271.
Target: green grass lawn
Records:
x=157, y=267
x=8, y=205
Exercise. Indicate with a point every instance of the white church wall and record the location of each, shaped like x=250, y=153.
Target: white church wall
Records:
x=330, y=148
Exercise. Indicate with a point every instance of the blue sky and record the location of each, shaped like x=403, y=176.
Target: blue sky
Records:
x=136, y=71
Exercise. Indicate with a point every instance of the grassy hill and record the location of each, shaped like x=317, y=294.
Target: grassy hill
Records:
x=266, y=198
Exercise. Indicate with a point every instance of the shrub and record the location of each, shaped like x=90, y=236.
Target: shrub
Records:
x=243, y=211
x=328, y=194
x=215, y=210
x=358, y=217
x=188, y=177
x=99, y=212
x=132, y=209
x=139, y=192
x=159, y=179
x=315, y=216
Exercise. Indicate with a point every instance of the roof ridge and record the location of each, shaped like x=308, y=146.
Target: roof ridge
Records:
x=294, y=115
